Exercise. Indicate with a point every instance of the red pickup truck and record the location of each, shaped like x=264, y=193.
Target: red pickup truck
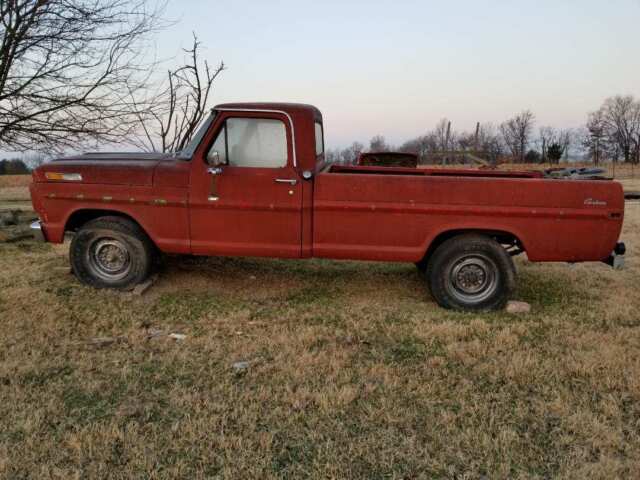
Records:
x=254, y=182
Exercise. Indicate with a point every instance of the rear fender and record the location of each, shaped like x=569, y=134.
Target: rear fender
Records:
x=503, y=236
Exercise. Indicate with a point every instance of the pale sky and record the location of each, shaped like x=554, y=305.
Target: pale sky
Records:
x=396, y=67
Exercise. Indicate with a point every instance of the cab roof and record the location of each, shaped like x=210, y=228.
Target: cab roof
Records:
x=290, y=108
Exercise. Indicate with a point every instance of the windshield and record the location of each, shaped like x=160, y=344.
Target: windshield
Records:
x=187, y=152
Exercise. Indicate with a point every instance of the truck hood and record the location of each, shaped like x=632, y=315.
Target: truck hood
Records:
x=107, y=168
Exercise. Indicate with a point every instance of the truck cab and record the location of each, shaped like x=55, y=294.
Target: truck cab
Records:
x=251, y=179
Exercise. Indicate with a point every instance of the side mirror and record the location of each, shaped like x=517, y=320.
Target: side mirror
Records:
x=213, y=159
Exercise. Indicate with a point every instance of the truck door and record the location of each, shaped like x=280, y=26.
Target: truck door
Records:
x=246, y=196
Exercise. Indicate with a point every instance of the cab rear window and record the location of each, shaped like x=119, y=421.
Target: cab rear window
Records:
x=319, y=139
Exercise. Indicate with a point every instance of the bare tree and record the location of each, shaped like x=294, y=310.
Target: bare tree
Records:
x=433, y=143
x=484, y=143
x=555, y=151
x=68, y=68
x=566, y=139
x=619, y=121
x=443, y=136
x=420, y=146
x=489, y=143
x=346, y=156
x=517, y=133
x=352, y=152
x=35, y=159
x=594, y=137
x=563, y=138
x=547, y=136
x=378, y=144
x=168, y=120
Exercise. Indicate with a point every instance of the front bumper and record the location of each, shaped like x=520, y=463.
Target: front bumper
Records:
x=38, y=232
x=616, y=259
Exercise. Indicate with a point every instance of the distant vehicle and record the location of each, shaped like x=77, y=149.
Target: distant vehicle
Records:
x=254, y=181
x=387, y=159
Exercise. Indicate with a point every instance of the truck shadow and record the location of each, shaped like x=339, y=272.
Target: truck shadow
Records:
x=266, y=276
x=543, y=286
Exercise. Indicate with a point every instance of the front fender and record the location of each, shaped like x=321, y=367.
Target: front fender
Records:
x=161, y=212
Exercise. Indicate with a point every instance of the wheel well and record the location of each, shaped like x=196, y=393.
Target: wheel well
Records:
x=512, y=244
x=78, y=218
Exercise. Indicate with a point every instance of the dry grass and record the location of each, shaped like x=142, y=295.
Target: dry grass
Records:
x=354, y=373
x=14, y=188
x=13, y=194
x=14, y=180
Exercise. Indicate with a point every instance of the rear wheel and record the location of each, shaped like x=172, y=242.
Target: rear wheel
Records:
x=111, y=252
x=471, y=272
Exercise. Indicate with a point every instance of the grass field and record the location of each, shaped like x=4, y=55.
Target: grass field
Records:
x=14, y=189
x=353, y=373
x=9, y=181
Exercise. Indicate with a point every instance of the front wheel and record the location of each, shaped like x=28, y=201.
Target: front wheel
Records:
x=471, y=272
x=111, y=252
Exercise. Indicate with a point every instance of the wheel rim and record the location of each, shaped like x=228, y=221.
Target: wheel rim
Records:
x=473, y=278
x=109, y=259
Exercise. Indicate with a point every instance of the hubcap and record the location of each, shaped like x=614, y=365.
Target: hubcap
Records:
x=109, y=258
x=473, y=278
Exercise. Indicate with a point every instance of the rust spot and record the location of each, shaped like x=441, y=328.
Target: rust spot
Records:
x=107, y=199
x=80, y=196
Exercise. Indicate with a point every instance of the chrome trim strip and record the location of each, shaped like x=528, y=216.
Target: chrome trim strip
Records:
x=260, y=110
x=36, y=231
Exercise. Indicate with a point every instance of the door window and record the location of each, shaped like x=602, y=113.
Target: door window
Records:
x=251, y=142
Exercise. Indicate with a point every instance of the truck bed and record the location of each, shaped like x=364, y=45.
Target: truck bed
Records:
x=394, y=214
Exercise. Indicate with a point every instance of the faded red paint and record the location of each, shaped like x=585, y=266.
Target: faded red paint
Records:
x=358, y=212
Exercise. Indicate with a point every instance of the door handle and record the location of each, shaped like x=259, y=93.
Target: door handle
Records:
x=290, y=181
x=214, y=170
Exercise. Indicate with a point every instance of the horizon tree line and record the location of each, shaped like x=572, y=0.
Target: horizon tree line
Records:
x=611, y=133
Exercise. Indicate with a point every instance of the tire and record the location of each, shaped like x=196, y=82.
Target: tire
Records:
x=471, y=272
x=111, y=252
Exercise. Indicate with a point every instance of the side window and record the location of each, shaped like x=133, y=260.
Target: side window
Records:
x=219, y=146
x=319, y=139
x=252, y=142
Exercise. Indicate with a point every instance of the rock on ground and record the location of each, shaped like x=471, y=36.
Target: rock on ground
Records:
x=144, y=286
x=518, y=307
x=240, y=366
